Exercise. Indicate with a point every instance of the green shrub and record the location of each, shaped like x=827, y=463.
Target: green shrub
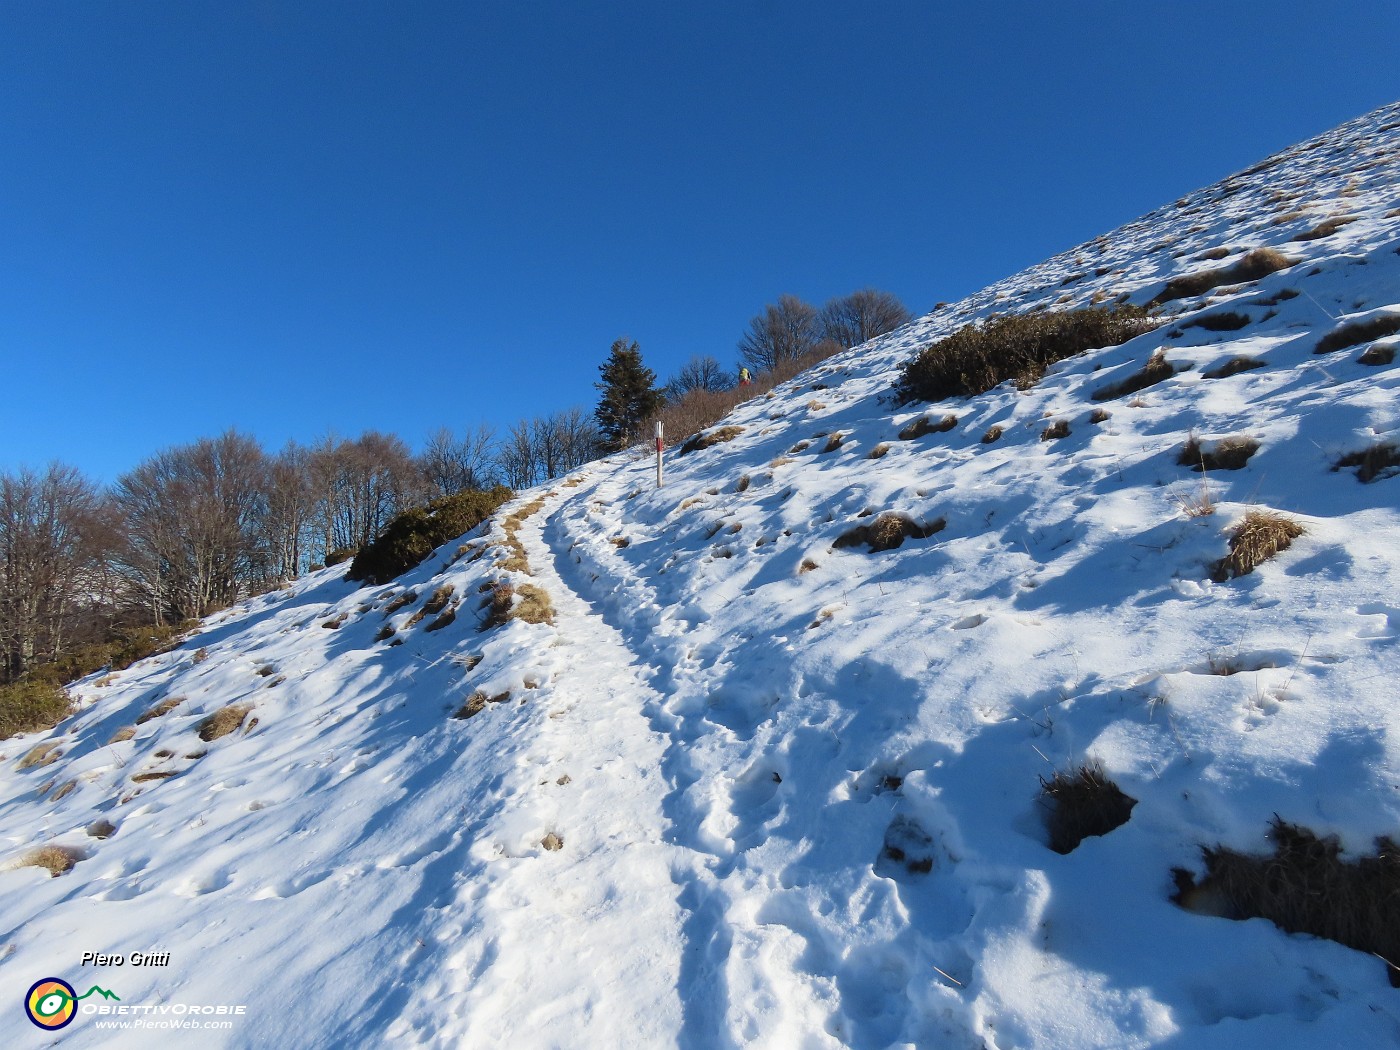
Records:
x=28, y=705
x=416, y=533
x=1019, y=347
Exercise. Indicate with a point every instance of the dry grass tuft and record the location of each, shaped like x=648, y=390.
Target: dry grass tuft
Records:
x=1085, y=803
x=499, y=604
x=1379, y=461
x=1255, y=540
x=801, y=446
x=1255, y=264
x=709, y=438
x=57, y=860
x=1100, y=415
x=807, y=566
x=620, y=542
x=1327, y=227
x=1230, y=453
x=834, y=442
x=993, y=433
x=476, y=703
x=404, y=599
x=1233, y=367
x=534, y=605
x=879, y=451
x=1380, y=354
x=1305, y=887
x=888, y=532
x=142, y=778
x=40, y=755
x=439, y=600
x=742, y=485
x=223, y=721
x=1055, y=431
x=923, y=425
x=1358, y=332
x=122, y=735
x=1155, y=371
x=447, y=617
x=161, y=709
x=385, y=633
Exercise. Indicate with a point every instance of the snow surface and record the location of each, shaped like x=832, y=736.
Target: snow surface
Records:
x=731, y=720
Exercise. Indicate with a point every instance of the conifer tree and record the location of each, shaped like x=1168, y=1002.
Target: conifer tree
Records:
x=629, y=395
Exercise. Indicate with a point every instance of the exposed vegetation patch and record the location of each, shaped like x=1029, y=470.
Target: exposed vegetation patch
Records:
x=1018, y=347
x=40, y=755
x=416, y=533
x=1055, y=431
x=476, y=703
x=1380, y=354
x=1255, y=540
x=223, y=721
x=1358, y=332
x=1234, y=367
x=30, y=705
x=1327, y=227
x=834, y=442
x=1222, y=321
x=102, y=829
x=1281, y=296
x=993, y=434
x=160, y=710
x=1305, y=887
x=1100, y=415
x=142, y=778
x=1255, y=264
x=439, y=599
x=879, y=451
x=1082, y=804
x=1152, y=373
x=708, y=438
x=399, y=602
x=56, y=860
x=888, y=531
x=447, y=617
x=122, y=735
x=925, y=425
x=534, y=605
x=1230, y=453
x=385, y=633
x=1379, y=461
x=517, y=560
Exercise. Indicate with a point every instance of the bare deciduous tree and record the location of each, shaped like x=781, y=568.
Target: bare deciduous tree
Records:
x=785, y=331
x=861, y=316
x=701, y=372
x=454, y=464
x=55, y=534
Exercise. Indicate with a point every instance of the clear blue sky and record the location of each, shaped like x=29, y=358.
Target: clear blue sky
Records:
x=292, y=216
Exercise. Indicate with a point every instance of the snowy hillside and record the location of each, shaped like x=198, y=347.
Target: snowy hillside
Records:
x=754, y=787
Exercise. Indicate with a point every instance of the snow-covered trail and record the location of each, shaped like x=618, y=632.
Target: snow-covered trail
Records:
x=569, y=965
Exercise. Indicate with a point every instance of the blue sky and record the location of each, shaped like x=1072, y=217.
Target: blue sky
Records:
x=295, y=218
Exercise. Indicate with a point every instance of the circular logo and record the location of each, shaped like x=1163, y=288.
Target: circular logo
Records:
x=51, y=1003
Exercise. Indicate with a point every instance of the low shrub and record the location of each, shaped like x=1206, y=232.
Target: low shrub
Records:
x=1255, y=540
x=1358, y=332
x=1255, y=264
x=1018, y=347
x=1305, y=887
x=28, y=706
x=1227, y=454
x=1083, y=804
x=416, y=533
x=1381, y=460
x=888, y=532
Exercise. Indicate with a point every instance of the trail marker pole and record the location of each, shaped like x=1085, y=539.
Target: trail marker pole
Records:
x=658, y=454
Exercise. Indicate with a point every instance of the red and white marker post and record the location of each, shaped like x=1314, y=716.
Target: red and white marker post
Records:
x=658, y=454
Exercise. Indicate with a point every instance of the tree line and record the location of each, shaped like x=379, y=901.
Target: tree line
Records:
x=196, y=527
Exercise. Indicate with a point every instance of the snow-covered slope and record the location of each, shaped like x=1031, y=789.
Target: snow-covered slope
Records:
x=751, y=788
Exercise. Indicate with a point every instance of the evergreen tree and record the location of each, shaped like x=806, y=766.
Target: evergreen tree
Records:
x=629, y=398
